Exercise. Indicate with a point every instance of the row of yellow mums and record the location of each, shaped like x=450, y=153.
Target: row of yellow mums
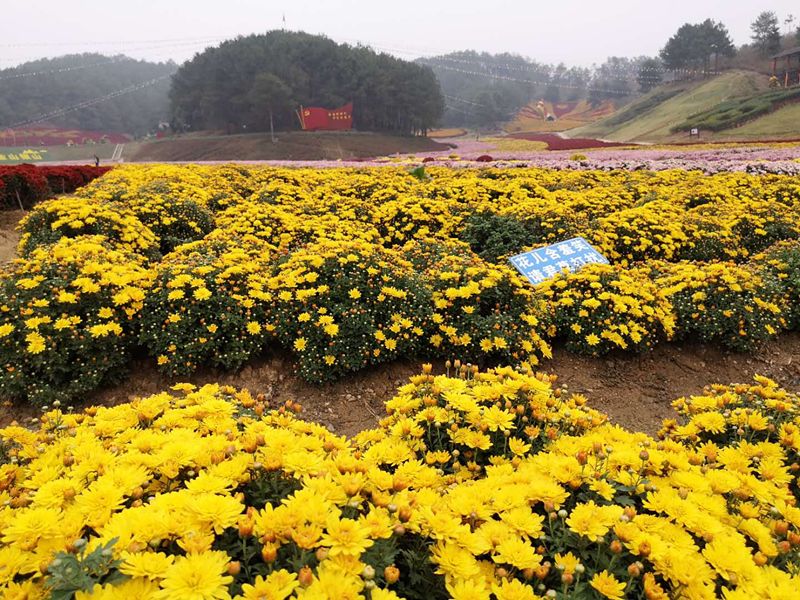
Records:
x=476, y=486
x=348, y=268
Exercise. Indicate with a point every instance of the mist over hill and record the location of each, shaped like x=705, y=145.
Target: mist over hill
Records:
x=114, y=93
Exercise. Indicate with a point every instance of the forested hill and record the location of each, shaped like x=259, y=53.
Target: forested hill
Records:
x=482, y=89
x=236, y=85
x=56, y=87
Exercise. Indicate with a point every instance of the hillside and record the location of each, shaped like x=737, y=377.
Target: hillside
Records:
x=290, y=146
x=740, y=111
x=651, y=118
x=88, y=92
x=784, y=122
x=544, y=116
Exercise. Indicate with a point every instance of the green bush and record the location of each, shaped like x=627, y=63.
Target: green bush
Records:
x=341, y=306
x=207, y=306
x=493, y=236
x=68, y=315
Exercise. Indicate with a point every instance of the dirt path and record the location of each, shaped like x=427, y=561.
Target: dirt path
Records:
x=636, y=391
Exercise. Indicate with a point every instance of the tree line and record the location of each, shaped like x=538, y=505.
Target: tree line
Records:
x=238, y=84
x=484, y=90
x=45, y=86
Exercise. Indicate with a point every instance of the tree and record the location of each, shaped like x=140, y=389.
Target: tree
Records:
x=677, y=53
x=694, y=45
x=766, y=33
x=650, y=74
x=236, y=84
x=67, y=81
x=612, y=80
x=717, y=41
x=269, y=93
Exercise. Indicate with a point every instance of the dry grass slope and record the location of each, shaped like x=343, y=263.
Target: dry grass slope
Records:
x=655, y=124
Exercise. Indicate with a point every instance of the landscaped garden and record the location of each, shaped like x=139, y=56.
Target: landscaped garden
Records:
x=484, y=479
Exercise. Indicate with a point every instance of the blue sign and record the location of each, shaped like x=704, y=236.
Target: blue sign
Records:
x=544, y=263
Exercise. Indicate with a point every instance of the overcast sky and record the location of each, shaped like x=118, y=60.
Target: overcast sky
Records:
x=570, y=31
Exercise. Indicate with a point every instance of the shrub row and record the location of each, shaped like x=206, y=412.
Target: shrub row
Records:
x=22, y=186
x=490, y=485
x=349, y=268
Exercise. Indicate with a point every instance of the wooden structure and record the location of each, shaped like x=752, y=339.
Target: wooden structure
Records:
x=790, y=63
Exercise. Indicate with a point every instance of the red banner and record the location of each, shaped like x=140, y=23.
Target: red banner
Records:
x=314, y=118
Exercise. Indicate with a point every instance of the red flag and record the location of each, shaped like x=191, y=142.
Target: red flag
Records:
x=314, y=118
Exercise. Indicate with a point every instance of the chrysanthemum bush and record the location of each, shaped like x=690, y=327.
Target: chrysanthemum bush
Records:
x=271, y=224
x=478, y=309
x=464, y=423
x=175, y=209
x=457, y=303
x=400, y=221
x=725, y=415
x=127, y=183
x=758, y=224
x=545, y=219
x=341, y=306
x=603, y=307
x=206, y=493
x=722, y=303
x=781, y=262
x=744, y=416
x=208, y=306
x=655, y=230
x=74, y=216
x=68, y=314
x=174, y=221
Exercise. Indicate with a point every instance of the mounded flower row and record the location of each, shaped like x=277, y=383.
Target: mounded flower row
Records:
x=477, y=485
x=22, y=186
x=347, y=268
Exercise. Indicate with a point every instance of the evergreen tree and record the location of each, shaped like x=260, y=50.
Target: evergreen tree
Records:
x=766, y=33
x=613, y=79
x=695, y=45
x=650, y=74
x=50, y=85
x=236, y=84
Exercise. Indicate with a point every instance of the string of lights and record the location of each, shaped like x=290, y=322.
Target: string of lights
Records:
x=555, y=84
x=63, y=69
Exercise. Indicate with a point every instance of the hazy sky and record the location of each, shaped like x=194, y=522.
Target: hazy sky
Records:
x=570, y=31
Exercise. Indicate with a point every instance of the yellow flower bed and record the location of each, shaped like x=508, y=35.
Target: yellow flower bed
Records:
x=489, y=485
x=346, y=268
x=68, y=318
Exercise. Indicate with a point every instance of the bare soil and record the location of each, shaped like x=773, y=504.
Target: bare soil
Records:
x=636, y=391
x=290, y=146
x=8, y=234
